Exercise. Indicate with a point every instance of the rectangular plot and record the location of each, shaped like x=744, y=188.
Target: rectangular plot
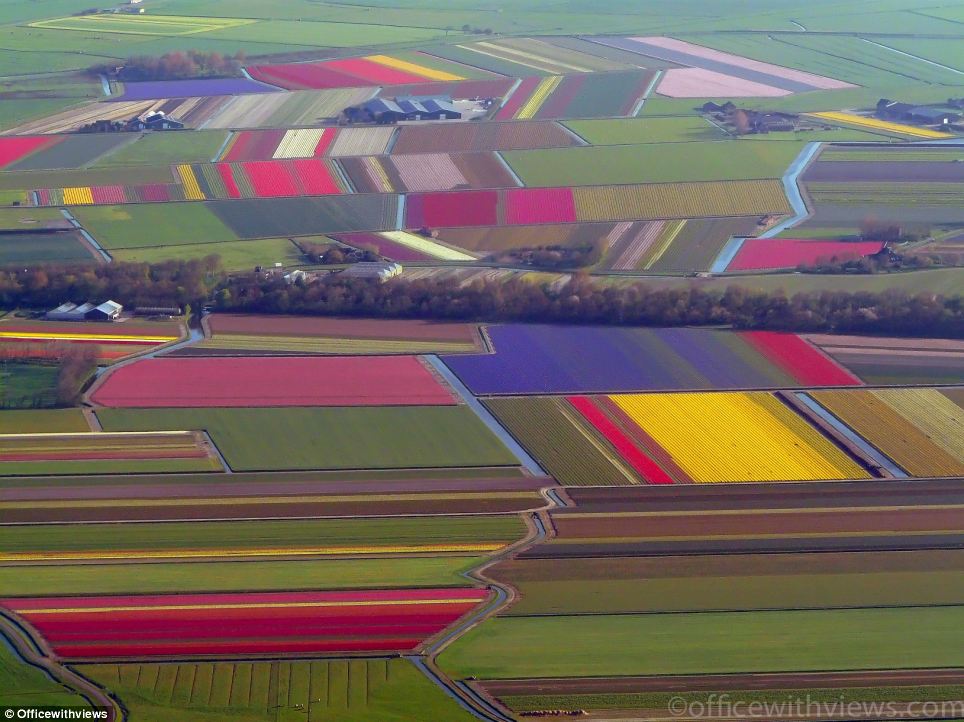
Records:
x=680, y=200
x=277, y=217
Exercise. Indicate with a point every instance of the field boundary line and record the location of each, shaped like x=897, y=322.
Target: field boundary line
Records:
x=915, y=57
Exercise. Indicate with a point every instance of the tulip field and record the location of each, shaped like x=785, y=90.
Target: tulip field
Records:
x=248, y=624
x=481, y=361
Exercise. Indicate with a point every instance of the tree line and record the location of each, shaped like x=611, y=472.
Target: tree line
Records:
x=579, y=300
x=173, y=283
x=583, y=300
x=176, y=65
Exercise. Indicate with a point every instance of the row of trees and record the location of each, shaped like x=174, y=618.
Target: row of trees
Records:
x=173, y=283
x=177, y=65
x=582, y=300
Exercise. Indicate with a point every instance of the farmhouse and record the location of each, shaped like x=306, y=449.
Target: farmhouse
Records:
x=107, y=311
x=382, y=271
x=403, y=108
x=920, y=114
x=154, y=121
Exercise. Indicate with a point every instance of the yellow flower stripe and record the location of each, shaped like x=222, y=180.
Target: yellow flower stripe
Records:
x=192, y=191
x=33, y=335
x=737, y=437
x=255, y=552
x=408, y=67
x=541, y=94
x=377, y=174
x=865, y=122
x=268, y=605
x=78, y=196
x=426, y=245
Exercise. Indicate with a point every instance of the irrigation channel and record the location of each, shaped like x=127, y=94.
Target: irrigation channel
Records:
x=465, y=695
x=17, y=637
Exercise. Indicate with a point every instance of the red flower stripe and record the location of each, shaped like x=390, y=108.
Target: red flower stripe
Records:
x=539, y=205
x=445, y=210
x=798, y=358
x=372, y=73
x=644, y=466
x=227, y=176
x=108, y=194
x=270, y=179
x=284, y=646
x=198, y=624
x=315, y=176
x=324, y=143
x=518, y=98
x=13, y=148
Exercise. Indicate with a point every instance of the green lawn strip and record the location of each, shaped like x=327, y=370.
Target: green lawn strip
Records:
x=661, y=700
x=628, y=131
x=42, y=421
x=710, y=642
x=235, y=255
x=153, y=224
x=336, y=690
x=652, y=163
x=27, y=385
x=237, y=576
x=197, y=146
x=738, y=593
x=322, y=34
x=262, y=534
x=34, y=179
x=106, y=466
x=331, y=438
x=23, y=684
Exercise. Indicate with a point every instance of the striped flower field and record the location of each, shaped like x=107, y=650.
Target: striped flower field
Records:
x=204, y=625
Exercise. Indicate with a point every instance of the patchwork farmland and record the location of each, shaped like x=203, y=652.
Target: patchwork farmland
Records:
x=475, y=363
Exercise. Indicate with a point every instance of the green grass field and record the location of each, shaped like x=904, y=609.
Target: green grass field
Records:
x=331, y=438
x=236, y=576
x=337, y=690
x=708, y=643
x=42, y=421
x=267, y=534
x=235, y=255
x=199, y=146
x=630, y=131
x=652, y=163
x=141, y=24
x=27, y=386
x=23, y=248
x=153, y=224
x=610, y=596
